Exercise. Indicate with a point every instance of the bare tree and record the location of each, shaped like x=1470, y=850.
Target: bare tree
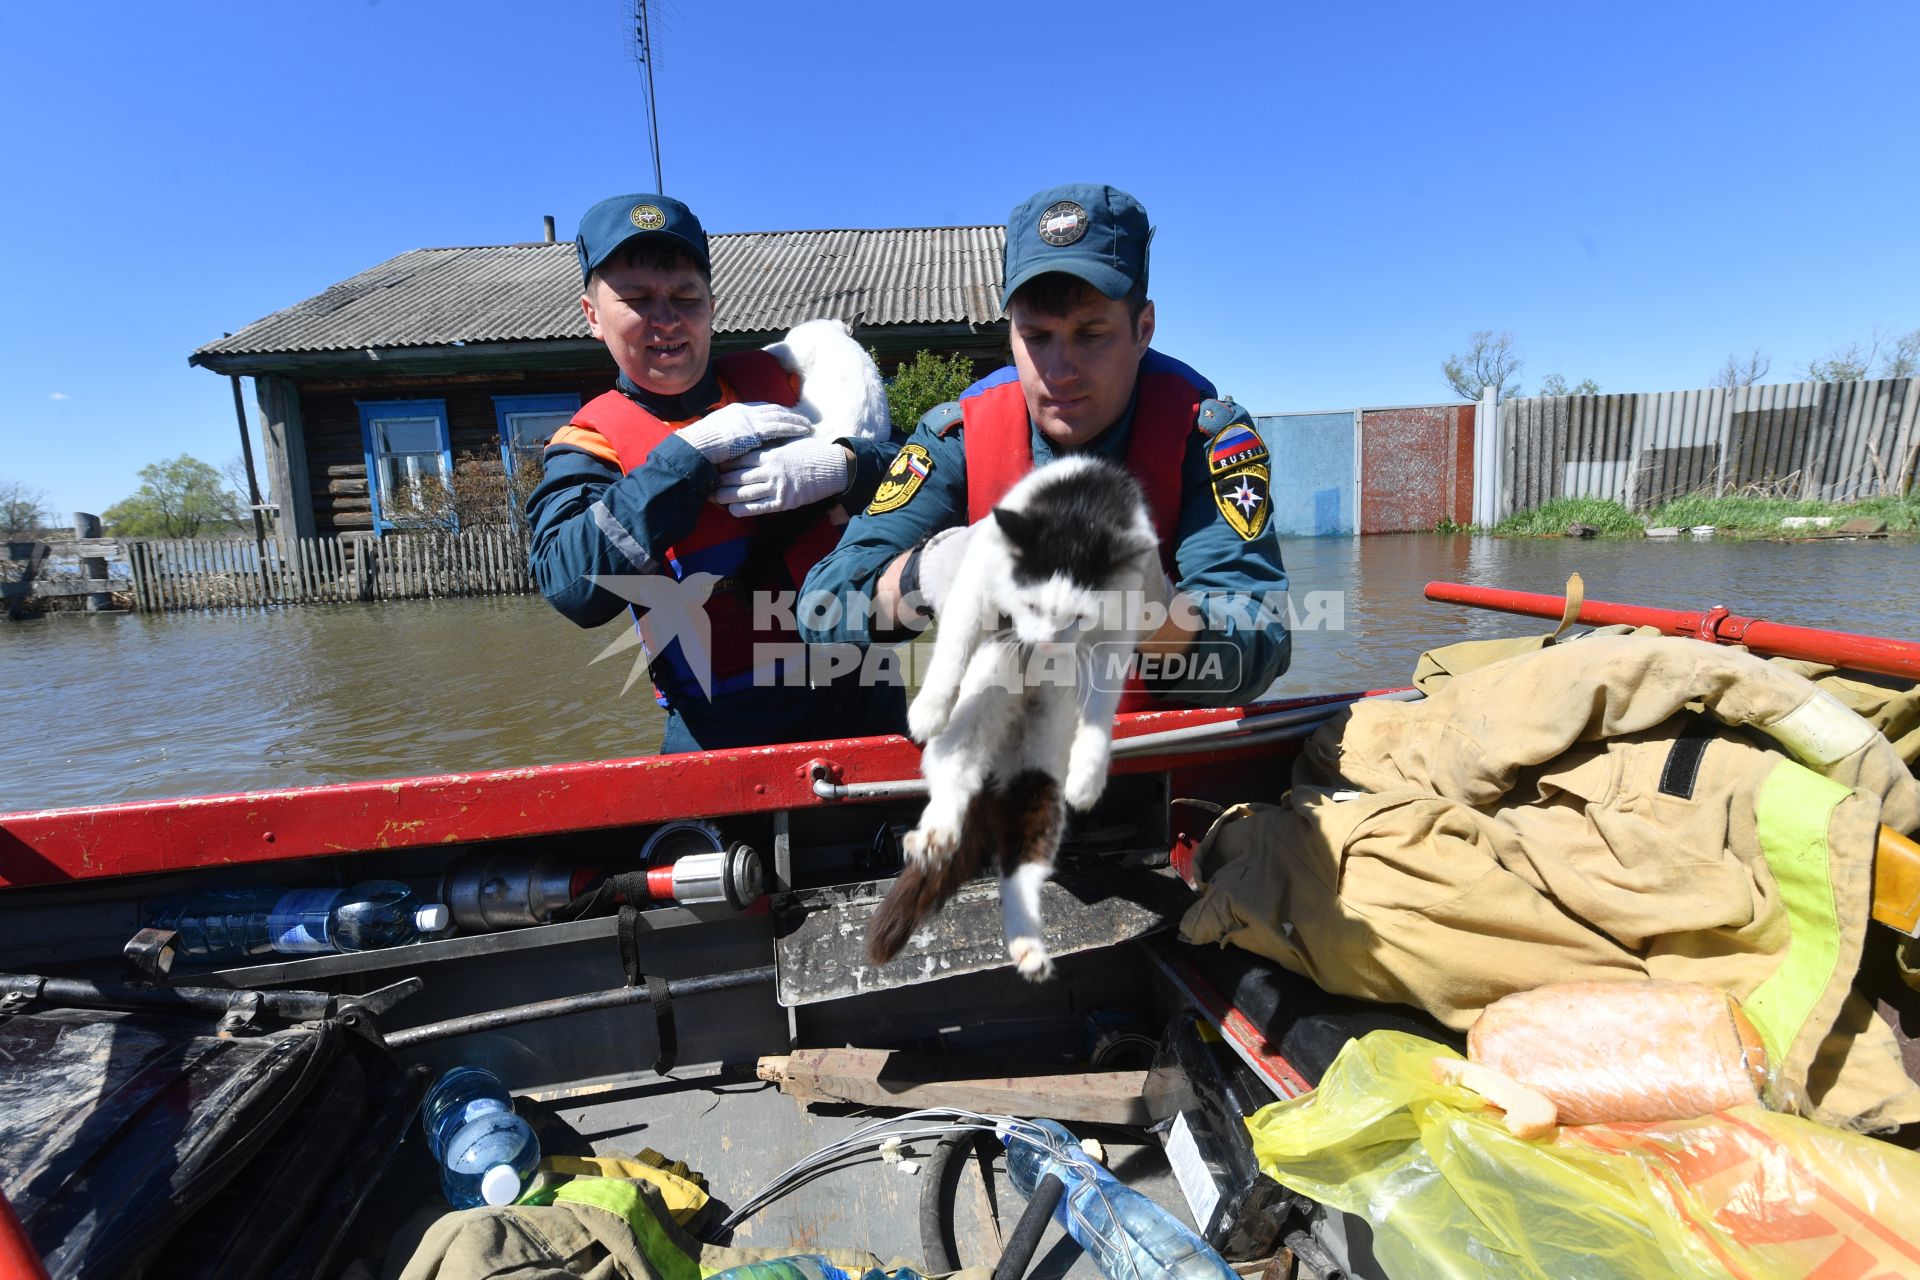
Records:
x=1898, y=356
x=1743, y=371
x=1903, y=356
x=23, y=510
x=1489, y=361
x=1555, y=385
x=1845, y=363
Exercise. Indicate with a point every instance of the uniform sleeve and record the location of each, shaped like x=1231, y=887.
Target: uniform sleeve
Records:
x=870, y=459
x=851, y=571
x=589, y=520
x=1240, y=585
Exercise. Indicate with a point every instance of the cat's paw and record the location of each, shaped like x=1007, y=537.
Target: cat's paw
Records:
x=930, y=842
x=1084, y=785
x=926, y=716
x=1030, y=955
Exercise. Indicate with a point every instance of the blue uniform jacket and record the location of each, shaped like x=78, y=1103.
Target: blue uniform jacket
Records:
x=588, y=519
x=1239, y=582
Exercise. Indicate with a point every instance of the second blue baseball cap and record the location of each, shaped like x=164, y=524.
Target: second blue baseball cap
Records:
x=614, y=221
x=1097, y=233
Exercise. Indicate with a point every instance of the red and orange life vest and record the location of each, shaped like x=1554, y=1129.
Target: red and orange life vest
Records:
x=999, y=448
x=719, y=541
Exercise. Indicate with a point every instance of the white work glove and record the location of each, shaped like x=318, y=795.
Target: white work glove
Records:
x=734, y=429
x=798, y=473
x=940, y=562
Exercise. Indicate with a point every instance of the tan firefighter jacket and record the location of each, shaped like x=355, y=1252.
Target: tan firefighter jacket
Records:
x=1562, y=815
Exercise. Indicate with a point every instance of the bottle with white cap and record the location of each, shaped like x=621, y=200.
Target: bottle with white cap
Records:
x=236, y=923
x=486, y=1153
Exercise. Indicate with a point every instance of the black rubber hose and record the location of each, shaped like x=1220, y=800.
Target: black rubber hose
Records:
x=939, y=1184
x=1025, y=1239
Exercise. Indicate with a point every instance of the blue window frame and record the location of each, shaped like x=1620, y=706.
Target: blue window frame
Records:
x=528, y=422
x=409, y=460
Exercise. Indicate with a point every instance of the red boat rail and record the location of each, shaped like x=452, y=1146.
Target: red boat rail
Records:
x=1716, y=626
x=54, y=846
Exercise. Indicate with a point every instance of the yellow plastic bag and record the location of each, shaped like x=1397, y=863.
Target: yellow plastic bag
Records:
x=1449, y=1192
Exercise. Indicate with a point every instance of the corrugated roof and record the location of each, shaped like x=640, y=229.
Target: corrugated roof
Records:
x=764, y=280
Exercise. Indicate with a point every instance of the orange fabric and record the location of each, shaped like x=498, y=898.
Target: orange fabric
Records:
x=747, y=379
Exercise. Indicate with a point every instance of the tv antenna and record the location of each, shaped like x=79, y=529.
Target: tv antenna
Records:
x=643, y=56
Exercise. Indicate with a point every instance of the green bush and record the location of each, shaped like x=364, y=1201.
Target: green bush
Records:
x=924, y=382
x=1554, y=515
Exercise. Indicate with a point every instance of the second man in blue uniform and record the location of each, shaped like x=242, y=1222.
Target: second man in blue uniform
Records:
x=1085, y=379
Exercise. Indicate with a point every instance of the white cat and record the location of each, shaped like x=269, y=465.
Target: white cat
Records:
x=840, y=389
x=1018, y=719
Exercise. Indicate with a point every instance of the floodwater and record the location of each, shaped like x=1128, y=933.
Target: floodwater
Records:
x=121, y=707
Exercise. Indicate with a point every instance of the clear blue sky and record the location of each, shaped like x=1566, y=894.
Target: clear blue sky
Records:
x=1343, y=191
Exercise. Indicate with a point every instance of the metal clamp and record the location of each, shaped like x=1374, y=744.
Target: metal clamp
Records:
x=150, y=953
x=240, y=1014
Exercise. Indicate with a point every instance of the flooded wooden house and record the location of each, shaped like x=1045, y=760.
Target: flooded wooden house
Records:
x=459, y=362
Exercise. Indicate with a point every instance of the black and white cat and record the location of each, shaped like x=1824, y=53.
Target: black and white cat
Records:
x=1015, y=729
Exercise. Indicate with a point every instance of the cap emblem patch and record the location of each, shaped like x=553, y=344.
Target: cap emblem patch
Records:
x=1063, y=223
x=648, y=217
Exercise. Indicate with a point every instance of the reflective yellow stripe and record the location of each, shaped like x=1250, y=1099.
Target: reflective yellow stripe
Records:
x=623, y=1198
x=1793, y=811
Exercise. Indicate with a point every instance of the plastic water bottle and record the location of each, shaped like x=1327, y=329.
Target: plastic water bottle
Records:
x=807, y=1266
x=233, y=924
x=1128, y=1236
x=486, y=1153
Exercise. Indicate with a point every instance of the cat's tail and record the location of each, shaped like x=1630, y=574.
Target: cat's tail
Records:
x=1020, y=821
x=925, y=884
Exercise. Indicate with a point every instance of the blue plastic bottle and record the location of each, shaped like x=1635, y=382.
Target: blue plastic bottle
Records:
x=233, y=924
x=486, y=1153
x=1126, y=1234
x=807, y=1266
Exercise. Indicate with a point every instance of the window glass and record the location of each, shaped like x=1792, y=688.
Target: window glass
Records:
x=531, y=431
x=412, y=469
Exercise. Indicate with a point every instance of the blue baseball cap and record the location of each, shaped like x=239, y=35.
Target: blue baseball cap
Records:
x=614, y=221
x=1098, y=233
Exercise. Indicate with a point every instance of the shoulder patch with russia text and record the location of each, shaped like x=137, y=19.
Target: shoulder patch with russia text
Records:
x=909, y=471
x=1238, y=465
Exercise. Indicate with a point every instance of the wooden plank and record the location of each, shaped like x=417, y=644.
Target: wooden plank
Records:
x=50, y=588
x=227, y=572
x=883, y=1078
x=135, y=567
x=157, y=579
x=63, y=548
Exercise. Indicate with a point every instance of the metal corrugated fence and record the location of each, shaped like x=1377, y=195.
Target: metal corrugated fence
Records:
x=1826, y=440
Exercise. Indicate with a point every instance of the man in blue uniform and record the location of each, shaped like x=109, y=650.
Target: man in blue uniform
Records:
x=695, y=492
x=1084, y=380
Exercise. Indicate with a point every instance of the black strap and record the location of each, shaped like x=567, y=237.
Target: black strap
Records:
x=1682, y=769
x=665, y=1033
x=668, y=1037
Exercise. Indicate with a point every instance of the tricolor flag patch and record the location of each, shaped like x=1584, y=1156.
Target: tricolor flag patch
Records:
x=1234, y=446
x=909, y=471
x=1237, y=463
